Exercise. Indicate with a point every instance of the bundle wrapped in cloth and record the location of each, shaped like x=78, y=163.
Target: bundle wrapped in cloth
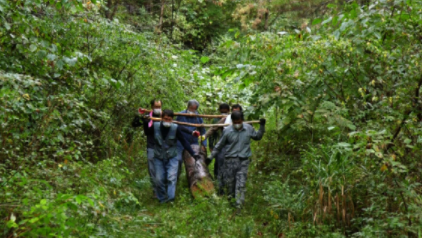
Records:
x=197, y=173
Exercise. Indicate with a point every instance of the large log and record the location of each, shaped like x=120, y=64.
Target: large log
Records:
x=185, y=114
x=197, y=173
x=202, y=125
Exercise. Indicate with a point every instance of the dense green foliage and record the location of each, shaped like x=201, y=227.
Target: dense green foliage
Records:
x=340, y=87
x=345, y=96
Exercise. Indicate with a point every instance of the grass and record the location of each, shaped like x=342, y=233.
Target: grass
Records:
x=188, y=217
x=113, y=198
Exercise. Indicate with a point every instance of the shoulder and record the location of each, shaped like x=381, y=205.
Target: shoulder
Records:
x=181, y=117
x=247, y=126
x=228, y=129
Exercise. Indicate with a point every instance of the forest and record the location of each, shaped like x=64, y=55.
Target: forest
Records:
x=338, y=81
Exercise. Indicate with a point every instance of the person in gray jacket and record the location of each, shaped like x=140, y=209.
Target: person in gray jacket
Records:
x=236, y=140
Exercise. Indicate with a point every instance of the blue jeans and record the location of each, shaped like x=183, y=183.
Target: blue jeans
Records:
x=180, y=154
x=166, y=178
x=151, y=167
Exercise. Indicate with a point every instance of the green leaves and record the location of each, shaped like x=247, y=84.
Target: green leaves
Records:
x=340, y=99
x=204, y=59
x=331, y=5
x=32, y=48
x=316, y=21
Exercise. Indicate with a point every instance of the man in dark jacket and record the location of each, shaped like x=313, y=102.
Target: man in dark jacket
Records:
x=167, y=135
x=156, y=112
x=219, y=160
x=236, y=140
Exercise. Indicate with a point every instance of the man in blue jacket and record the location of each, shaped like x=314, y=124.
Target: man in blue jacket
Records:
x=193, y=106
x=156, y=112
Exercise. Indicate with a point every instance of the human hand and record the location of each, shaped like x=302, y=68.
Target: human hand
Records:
x=136, y=121
x=141, y=110
x=208, y=160
x=203, y=148
x=196, y=133
x=262, y=121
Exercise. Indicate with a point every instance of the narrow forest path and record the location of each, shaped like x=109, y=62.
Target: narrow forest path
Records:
x=188, y=217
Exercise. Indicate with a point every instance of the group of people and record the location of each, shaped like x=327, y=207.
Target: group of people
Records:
x=229, y=145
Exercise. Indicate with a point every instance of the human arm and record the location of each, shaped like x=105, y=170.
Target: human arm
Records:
x=185, y=129
x=221, y=143
x=184, y=142
x=213, y=129
x=257, y=135
x=148, y=130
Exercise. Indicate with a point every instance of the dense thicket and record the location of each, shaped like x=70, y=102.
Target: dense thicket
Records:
x=339, y=82
x=345, y=97
x=70, y=84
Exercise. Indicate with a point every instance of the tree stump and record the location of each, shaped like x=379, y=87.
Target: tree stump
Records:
x=198, y=175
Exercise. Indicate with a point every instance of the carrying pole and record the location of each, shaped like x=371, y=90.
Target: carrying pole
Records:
x=142, y=111
x=202, y=125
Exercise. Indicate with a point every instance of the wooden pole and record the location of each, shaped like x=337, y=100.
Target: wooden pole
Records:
x=203, y=125
x=187, y=114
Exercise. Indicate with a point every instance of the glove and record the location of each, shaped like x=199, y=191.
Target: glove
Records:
x=196, y=133
x=141, y=111
x=262, y=121
x=197, y=157
x=208, y=160
x=136, y=122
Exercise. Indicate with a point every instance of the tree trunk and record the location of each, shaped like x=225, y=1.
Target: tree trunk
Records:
x=266, y=16
x=160, y=24
x=197, y=173
x=111, y=9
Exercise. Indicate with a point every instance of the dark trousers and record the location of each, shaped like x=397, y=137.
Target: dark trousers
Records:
x=151, y=167
x=218, y=165
x=234, y=173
